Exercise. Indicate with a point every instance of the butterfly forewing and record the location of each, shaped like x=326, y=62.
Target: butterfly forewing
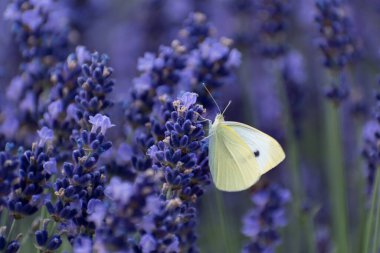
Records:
x=268, y=152
x=232, y=163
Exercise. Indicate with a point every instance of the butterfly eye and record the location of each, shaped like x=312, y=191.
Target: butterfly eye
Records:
x=256, y=153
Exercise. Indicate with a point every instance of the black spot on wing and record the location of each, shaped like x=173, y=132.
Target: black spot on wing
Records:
x=256, y=153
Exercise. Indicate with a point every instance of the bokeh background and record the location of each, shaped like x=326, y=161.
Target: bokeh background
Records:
x=307, y=74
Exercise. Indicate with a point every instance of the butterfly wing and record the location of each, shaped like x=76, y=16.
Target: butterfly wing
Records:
x=267, y=150
x=232, y=163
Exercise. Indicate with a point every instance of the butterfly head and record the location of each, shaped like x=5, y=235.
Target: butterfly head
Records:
x=219, y=118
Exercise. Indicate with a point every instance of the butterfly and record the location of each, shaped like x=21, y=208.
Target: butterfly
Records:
x=239, y=154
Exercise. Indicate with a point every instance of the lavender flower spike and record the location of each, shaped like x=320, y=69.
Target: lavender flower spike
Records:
x=268, y=215
x=100, y=121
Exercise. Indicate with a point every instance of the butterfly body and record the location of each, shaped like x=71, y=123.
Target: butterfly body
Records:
x=239, y=154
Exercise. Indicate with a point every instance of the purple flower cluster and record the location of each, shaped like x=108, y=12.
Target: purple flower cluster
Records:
x=262, y=222
x=9, y=163
x=71, y=126
x=28, y=192
x=182, y=158
x=199, y=57
x=11, y=246
x=164, y=218
x=337, y=41
x=40, y=29
x=273, y=18
x=169, y=171
x=144, y=196
x=371, y=150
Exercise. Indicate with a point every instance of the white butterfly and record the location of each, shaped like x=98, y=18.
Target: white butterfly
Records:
x=239, y=154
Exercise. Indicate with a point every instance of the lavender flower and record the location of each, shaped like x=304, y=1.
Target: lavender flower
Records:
x=46, y=19
x=293, y=75
x=44, y=242
x=81, y=84
x=101, y=122
x=82, y=183
x=196, y=29
x=272, y=21
x=29, y=191
x=179, y=156
x=268, y=215
x=9, y=163
x=95, y=83
x=182, y=158
x=371, y=136
x=41, y=34
x=199, y=57
x=125, y=213
x=337, y=41
x=8, y=246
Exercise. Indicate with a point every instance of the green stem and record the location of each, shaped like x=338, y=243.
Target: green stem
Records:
x=336, y=176
x=222, y=217
x=11, y=230
x=377, y=223
x=360, y=197
x=369, y=225
x=304, y=221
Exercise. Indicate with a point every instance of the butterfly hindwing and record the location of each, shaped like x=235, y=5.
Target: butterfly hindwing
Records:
x=267, y=151
x=233, y=165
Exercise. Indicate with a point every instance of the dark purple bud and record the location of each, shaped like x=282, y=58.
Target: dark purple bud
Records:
x=177, y=180
x=41, y=237
x=76, y=156
x=193, y=146
x=92, y=137
x=190, y=164
x=187, y=191
x=13, y=247
x=86, y=70
x=174, y=116
x=50, y=207
x=169, y=126
x=30, y=190
x=187, y=126
x=184, y=141
x=54, y=243
x=94, y=103
x=168, y=155
x=3, y=242
x=90, y=162
x=178, y=128
x=174, y=139
x=68, y=169
x=106, y=145
x=189, y=115
x=84, y=135
x=176, y=156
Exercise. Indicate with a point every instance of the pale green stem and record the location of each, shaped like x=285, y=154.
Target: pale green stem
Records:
x=377, y=223
x=369, y=225
x=222, y=220
x=302, y=221
x=336, y=176
x=11, y=230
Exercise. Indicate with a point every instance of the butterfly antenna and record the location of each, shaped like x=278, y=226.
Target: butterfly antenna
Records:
x=225, y=109
x=204, y=85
